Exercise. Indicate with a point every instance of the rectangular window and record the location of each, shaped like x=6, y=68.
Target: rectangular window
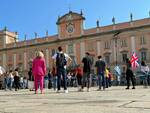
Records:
x=107, y=45
x=142, y=40
x=90, y=46
x=124, y=57
x=10, y=58
x=123, y=43
x=70, y=49
x=20, y=56
x=143, y=56
x=107, y=59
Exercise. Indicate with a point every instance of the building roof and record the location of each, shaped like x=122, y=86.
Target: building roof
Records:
x=74, y=15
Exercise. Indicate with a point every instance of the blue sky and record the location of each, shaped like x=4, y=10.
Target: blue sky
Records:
x=29, y=16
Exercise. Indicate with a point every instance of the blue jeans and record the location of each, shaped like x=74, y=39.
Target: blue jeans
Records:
x=6, y=81
x=101, y=80
x=61, y=71
x=55, y=82
x=11, y=81
x=86, y=79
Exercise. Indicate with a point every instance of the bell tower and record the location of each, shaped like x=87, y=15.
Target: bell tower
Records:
x=70, y=25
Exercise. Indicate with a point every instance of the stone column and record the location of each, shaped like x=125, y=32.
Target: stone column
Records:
x=15, y=60
x=4, y=40
x=47, y=58
x=82, y=50
x=98, y=43
x=25, y=60
x=4, y=60
x=114, y=47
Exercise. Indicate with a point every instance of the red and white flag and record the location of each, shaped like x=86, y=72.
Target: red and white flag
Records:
x=134, y=61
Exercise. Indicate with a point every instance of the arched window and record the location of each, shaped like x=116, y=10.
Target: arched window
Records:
x=70, y=49
x=53, y=52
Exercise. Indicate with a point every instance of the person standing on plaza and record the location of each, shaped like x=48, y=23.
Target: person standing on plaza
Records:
x=39, y=71
x=49, y=78
x=61, y=59
x=6, y=80
x=129, y=74
x=79, y=74
x=145, y=71
x=30, y=75
x=54, y=77
x=30, y=80
x=16, y=80
x=11, y=79
x=110, y=78
x=87, y=64
x=101, y=66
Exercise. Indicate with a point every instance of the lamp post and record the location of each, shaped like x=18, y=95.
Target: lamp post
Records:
x=115, y=37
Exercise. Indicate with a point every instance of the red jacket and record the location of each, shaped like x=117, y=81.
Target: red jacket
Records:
x=79, y=71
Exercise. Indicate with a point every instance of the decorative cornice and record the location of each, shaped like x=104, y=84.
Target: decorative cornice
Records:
x=89, y=36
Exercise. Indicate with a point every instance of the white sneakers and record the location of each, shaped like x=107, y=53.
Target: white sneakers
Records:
x=88, y=89
x=80, y=90
x=66, y=91
x=59, y=91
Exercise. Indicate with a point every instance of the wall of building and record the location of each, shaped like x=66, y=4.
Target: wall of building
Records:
x=131, y=38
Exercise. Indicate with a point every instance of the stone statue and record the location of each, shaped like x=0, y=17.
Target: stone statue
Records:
x=113, y=20
x=97, y=23
x=131, y=17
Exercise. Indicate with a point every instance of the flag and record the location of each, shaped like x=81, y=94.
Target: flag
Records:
x=134, y=61
x=117, y=70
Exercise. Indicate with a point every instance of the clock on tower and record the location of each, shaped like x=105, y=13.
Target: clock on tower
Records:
x=70, y=25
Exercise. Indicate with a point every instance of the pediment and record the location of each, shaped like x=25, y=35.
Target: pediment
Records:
x=71, y=16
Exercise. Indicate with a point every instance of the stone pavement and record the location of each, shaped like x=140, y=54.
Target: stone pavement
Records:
x=113, y=100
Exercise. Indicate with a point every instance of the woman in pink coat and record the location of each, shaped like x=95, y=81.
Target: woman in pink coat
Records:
x=39, y=70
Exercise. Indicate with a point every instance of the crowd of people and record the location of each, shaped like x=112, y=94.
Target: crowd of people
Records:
x=13, y=80
x=57, y=77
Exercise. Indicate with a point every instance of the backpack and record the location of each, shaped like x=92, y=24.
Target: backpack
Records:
x=60, y=60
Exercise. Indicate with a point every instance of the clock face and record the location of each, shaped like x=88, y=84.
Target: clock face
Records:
x=70, y=28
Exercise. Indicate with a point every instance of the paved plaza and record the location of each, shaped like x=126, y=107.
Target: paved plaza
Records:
x=113, y=100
